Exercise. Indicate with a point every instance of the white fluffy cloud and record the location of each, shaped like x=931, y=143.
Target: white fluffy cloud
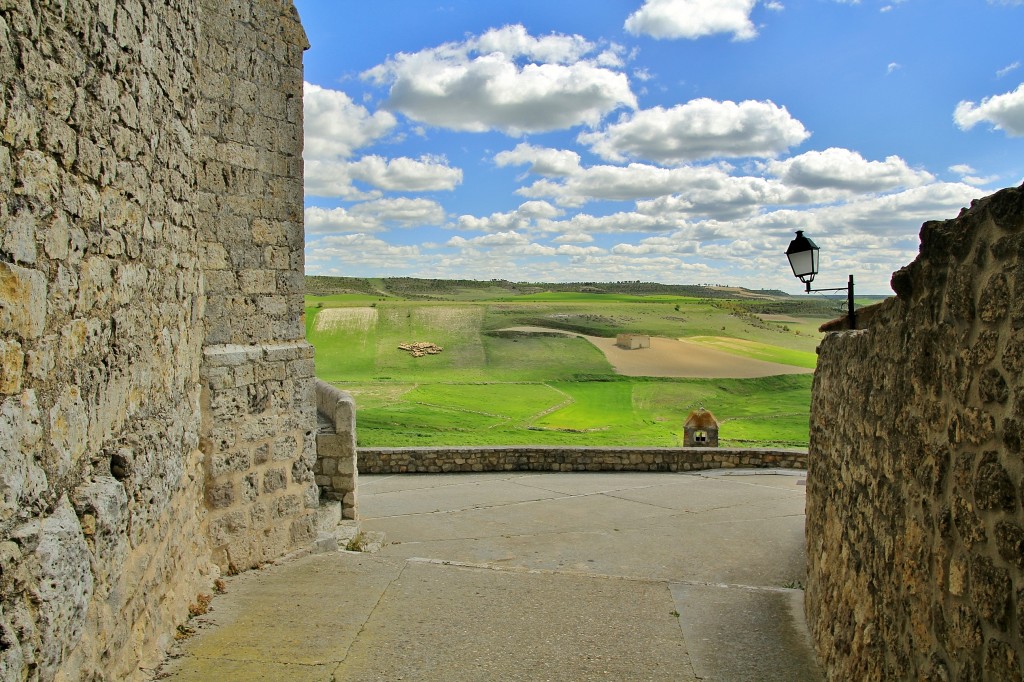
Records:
x=335, y=126
x=402, y=211
x=327, y=178
x=695, y=190
x=336, y=220
x=693, y=18
x=339, y=254
x=505, y=80
x=700, y=129
x=406, y=175
x=374, y=216
x=846, y=170
x=1004, y=112
x=542, y=161
x=520, y=219
x=969, y=175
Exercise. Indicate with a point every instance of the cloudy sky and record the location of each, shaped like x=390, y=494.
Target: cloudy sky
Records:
x=676, y=141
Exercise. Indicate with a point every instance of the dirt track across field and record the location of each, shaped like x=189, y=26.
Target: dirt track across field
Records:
x=677, y=358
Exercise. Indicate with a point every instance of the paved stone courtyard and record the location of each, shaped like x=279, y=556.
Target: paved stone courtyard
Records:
x=516, y=576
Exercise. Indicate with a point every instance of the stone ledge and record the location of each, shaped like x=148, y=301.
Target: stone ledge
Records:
x=558, y=458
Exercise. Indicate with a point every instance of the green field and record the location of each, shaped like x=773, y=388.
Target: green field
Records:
x=493, y=387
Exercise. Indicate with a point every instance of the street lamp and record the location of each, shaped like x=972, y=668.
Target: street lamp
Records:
x=803, y=258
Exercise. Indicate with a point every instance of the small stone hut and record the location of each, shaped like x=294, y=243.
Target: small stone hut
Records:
x=700, y=430
x=633, y=341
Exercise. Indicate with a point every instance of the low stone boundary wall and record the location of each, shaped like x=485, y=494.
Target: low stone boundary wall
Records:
x=335, y=469
x=436, y=460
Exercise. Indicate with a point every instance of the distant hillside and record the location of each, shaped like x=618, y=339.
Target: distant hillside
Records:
x=413, y=288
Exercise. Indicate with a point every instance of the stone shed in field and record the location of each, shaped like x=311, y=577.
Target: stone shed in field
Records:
x=700, y=430
x=633, y=341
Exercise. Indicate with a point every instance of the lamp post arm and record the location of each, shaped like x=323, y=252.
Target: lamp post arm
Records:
x=850, y=314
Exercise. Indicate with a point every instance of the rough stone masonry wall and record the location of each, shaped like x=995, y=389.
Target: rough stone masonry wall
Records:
x=145, y=148
x=259, y=418
x=100, y=472
x=915, y=525
x=558, y=458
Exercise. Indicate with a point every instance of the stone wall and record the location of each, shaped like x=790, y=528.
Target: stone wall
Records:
x=558, y=458
x=259, y=420
x=121, y=172
x=915, y=524
x=335, y=470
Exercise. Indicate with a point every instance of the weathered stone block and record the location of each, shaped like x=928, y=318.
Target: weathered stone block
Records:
x=226, y=527
x=274, y=480
x=12, y=362
x=991, y=591
x=60, y=570
x=221, y=496
x=993, y=488
x=23, y=296
x=222, y=463
x=1010, y=543
x=257, y=281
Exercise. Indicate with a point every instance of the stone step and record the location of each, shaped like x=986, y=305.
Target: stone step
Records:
x=328, y=516
x=353, y=539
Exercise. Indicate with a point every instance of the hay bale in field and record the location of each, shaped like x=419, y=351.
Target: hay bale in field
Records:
x=633, y=341
x=420, y=348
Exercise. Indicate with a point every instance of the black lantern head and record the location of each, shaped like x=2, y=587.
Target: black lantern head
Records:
x=803, y=258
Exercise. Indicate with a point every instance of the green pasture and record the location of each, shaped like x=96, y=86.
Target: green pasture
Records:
x=771, y=411
x=493, y=387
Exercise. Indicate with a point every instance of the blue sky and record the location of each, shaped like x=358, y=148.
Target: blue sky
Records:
x=677, y=141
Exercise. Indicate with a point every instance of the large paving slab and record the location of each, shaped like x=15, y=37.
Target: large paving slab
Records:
x=635, y=576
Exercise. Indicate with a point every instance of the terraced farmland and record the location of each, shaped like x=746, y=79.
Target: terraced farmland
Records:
x=522, y=370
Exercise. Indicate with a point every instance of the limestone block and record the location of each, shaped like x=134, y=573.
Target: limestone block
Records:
x=285, y=448
x=39, y=174
x=19, y=238
x=228, y=526
x=96, y=281
x=261, y=455
x=69, y=428
x=102, y=504
x=243, y=375
x=303, y=530
x=229, y=355
x=12, y=362
x=1010, y=543
x=21, y=479
x=220, y=496
x=258, y=281
x=274, y=306
x=62, y=584
x=274, y=480
x=222, y=463
x=22, y=301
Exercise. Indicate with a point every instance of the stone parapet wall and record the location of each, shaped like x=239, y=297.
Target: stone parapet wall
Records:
x=335, y=469
x=915, y=523
x=558, y=458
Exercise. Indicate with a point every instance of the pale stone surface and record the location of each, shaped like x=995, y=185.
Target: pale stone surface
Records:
x=59, y=567
x=916, y=480
x=23, y=292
